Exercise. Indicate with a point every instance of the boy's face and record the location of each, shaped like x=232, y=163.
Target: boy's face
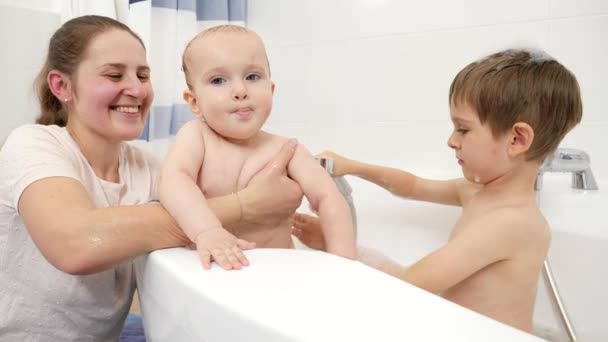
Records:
x=482, y=156
x=231, y=86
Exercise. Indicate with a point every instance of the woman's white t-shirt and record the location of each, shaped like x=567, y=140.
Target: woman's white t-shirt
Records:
x=37, y=301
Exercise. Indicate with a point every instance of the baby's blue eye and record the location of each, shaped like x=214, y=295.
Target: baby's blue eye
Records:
x=217, y=81
x=252, y=77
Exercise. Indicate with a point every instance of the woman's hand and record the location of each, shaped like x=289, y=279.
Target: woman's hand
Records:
x=308, y=230
x=271, y=196
x=341, y=164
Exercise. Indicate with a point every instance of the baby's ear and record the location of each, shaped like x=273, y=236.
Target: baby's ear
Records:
x=521, y=139
x=192, y=102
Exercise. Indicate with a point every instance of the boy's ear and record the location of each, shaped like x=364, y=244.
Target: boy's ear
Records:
x=60, y=85
x=191, y=101
x=521, y=139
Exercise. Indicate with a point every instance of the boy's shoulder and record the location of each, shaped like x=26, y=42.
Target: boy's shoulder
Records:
x=520, y=221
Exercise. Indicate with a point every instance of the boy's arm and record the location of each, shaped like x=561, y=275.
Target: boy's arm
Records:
x=399, y=182
x=325, y=198
x=180, y=195
x=490, y=239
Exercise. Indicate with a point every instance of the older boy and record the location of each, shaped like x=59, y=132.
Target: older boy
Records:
x=230, y=91
x=509, y=110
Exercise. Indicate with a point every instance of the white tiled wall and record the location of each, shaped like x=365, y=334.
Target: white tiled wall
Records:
x=24, y=36
x=369, y=78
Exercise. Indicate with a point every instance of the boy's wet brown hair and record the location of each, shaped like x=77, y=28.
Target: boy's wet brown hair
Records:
x=521, y=86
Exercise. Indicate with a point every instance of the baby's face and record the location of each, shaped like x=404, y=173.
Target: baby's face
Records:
x=482, y=157
x=231, y=84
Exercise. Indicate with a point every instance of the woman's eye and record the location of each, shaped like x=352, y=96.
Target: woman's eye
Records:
x=252, y=77
x=143, y=77
x=217, y=81
x=114, y=76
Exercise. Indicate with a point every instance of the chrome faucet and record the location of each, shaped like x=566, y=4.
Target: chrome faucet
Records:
x=569, y=160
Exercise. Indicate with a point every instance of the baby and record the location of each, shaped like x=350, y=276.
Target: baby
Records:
x=230, y=91
x=509, y=110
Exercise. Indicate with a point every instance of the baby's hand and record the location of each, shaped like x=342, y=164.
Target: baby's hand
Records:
x=217, y=244
x=340, y=163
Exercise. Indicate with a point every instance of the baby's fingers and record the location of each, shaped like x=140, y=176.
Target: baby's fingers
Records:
x=240, y=256
x=205, y=258
x=222, y=259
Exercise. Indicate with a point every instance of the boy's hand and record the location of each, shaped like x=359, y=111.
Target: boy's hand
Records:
x=341, y=164
x=308, y=230
x=218, y=245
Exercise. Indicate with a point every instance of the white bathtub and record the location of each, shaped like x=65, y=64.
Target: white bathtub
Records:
x=173, y=288
x=579, y=221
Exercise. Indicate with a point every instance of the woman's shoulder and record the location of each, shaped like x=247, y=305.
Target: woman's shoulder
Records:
x=35, y=130
x=36, y=136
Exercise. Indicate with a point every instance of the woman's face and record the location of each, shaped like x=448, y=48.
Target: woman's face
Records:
x=111, y=89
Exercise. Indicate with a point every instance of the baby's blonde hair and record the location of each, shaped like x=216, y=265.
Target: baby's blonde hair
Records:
x=211, y=31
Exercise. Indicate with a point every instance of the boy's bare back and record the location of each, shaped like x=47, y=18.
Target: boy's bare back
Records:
x=511, y=229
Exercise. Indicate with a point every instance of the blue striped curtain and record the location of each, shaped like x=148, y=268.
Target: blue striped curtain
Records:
x=166, y=26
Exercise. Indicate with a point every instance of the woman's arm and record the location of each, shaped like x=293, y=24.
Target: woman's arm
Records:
x=78, y=238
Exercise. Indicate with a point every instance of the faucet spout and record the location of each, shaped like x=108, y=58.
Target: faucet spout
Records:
x=572, y=161
x=584, y=180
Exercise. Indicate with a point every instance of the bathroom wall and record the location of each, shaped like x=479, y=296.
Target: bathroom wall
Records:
x=370, y=78
x=25, y=29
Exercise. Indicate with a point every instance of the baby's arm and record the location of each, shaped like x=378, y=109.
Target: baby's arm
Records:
x=181, y=196
x=325, y=198
x=399, y=182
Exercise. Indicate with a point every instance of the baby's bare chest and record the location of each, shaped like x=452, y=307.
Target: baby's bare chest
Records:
x=229, y=168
